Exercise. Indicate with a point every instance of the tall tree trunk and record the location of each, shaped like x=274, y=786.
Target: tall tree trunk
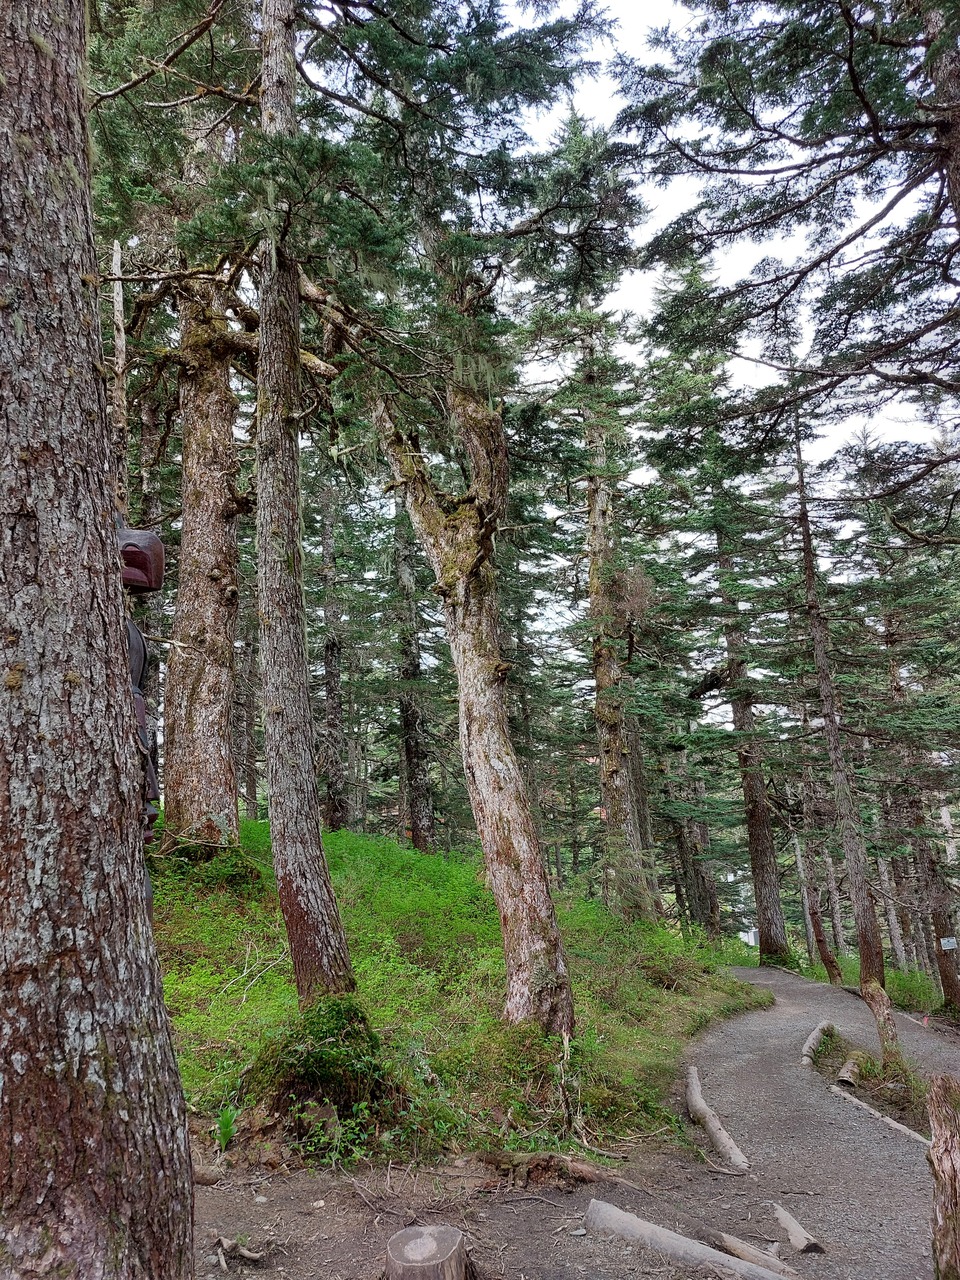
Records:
x=337, y=807
x=805, y=901
x=624, y=839
x=200, y=776
x=851, y=832
x=318, y=944
x=96, y=1181
x=413, y=747
x=458, y=539
x=774, y=948
x=944, y=1107
x=119, y=425
x=893, y=923
x=807, y=853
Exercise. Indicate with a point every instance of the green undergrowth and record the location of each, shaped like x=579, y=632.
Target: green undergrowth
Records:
x=436, y=1065
x=913, y=991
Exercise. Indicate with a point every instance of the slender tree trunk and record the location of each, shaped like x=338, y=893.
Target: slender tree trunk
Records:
x=96, y=1182
x=808, y=935
x=200, y=776
x=774, y=948
x=810, y=846
x=851, y=832
x=893, y=924
x=458, y=540
x=335, y=751
x=119, y=425
x=419, y=796
x=624, y=839
x=317, y=942
x=575, y=844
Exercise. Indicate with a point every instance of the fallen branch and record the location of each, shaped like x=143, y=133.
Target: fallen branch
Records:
x=812, y=1043
x=894, y=1124
x=710, y=1121
x=603, y=1218
x=800, y=1239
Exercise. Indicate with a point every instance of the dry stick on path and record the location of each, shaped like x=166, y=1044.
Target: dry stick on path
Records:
x=710, y=1121
x=606, y=1219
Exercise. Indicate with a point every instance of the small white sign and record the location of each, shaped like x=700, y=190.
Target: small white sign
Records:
x=948, y=944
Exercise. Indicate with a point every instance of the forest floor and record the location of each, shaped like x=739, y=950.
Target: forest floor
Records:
x=861, y=1188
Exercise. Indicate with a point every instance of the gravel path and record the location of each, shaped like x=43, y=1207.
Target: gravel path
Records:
x=860, y=1187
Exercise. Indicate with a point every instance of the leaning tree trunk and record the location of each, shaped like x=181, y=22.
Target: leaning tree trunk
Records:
x=851, y=831
x=771, y=926
x=624, y=838
x=458, y=539
x=96, y=1183
x=413, y=745
x=200, y=776
x=318, y=944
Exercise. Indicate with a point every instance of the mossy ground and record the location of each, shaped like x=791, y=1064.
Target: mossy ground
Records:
x=425, y=943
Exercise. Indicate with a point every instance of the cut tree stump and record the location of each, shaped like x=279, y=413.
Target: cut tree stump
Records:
x=606, y=1219
x=710, y=1121
x=427, y=1253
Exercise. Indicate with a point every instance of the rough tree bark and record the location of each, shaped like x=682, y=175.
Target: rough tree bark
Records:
x=852, y=839
x=200, y=776
x=943, y=1103
x=624, y=839
x=416, y=776
x=317, y=941
x=457, y=536
x=771, y=926
x=86, y=1053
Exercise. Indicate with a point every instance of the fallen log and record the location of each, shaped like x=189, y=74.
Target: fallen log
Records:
x=849, y=1073
x=602, y=1218
x=812, y=1042
x=733, y=1245
x=800, y=1239
x=710, y=1121
x=427, y=1253
x=894, y=1124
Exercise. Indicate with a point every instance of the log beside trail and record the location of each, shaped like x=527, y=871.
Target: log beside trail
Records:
x=606, y=1219
x=812, y=1043
x=710, y=1121
x=427, y=1253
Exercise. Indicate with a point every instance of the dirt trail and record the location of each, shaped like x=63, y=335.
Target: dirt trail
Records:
x=861, y=1188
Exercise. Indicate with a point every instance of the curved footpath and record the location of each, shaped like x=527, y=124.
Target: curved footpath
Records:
x=862, y=1189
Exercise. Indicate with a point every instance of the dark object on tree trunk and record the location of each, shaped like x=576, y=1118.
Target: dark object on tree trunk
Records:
x=141, y=554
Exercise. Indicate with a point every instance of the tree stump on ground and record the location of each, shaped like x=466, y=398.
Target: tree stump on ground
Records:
x=427, y=1253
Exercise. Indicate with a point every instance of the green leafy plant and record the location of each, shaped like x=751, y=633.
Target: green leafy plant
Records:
x=227, y=1125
